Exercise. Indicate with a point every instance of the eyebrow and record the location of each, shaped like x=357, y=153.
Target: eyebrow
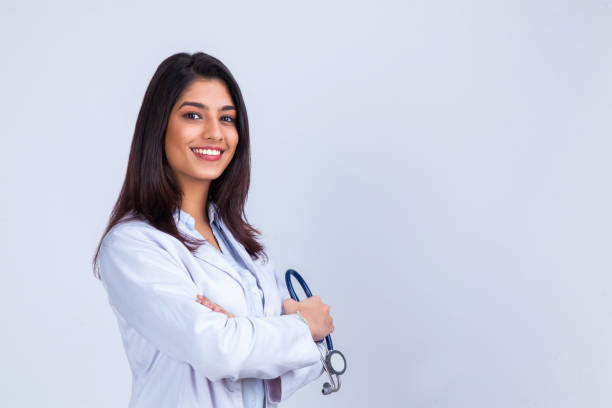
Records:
x=204, y=107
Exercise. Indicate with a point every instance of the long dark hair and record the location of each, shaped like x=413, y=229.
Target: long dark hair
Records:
x=150, y=190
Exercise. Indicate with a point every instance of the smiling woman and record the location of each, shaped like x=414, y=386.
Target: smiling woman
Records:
x=189, y=120
x=204, y=318
x=185, y=148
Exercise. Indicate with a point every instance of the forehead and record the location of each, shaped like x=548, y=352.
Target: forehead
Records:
x=208, y=91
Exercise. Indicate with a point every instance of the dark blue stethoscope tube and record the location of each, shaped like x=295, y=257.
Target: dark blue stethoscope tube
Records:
x=294, y=296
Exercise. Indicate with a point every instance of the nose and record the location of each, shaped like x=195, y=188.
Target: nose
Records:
x=213, y=130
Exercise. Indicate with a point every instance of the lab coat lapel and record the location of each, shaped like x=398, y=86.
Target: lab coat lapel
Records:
x=240, y=249
x=212, y=256
x=247, y=259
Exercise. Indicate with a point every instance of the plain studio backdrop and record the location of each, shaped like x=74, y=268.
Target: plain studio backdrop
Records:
x=447, y=162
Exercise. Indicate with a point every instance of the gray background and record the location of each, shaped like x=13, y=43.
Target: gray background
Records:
x=438, y=170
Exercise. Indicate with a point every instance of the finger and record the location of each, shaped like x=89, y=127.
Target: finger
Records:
x=289, y=306
x=214, y=307
x=226, y=313
x=219, y=309
x=203, y=300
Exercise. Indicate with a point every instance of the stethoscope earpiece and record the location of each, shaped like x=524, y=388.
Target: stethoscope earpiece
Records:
x=334, y=362
x=326, y=389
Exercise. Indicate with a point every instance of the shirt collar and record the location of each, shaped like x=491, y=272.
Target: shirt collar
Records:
x=187, y=219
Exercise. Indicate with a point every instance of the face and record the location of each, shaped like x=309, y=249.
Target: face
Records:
x=201, y=136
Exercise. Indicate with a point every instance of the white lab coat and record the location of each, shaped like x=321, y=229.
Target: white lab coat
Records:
x=183, y=354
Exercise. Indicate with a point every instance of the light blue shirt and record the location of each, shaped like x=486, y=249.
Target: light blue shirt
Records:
x=253, y=392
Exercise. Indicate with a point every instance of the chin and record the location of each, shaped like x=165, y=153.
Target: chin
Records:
x=207, y=177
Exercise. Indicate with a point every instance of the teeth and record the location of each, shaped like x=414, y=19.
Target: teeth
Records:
x=208, y=152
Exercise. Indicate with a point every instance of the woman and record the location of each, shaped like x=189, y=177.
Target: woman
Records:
x=198, y=309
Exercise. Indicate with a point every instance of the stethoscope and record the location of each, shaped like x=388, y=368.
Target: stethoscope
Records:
x=334, y=362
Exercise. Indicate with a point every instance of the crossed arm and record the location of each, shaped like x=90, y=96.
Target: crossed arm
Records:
x=283, y=386
x=155, y=296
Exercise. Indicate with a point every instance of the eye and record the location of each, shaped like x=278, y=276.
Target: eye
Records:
x=227, y=117
x=191, y=113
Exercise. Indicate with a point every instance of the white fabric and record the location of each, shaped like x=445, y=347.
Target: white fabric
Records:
x=183, y=354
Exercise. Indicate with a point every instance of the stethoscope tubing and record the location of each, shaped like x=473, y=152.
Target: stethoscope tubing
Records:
x=294, y=296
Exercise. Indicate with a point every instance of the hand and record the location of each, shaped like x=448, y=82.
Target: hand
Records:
x=316, y=314
x=204, y=301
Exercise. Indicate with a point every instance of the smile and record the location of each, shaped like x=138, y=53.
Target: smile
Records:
x=207, y=154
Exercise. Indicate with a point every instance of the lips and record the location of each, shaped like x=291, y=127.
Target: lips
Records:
x=208, y=154
x=207, y=149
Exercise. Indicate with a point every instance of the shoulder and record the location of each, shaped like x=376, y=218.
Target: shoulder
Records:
x=130, y=230
x=138, y=232
x=135, y=241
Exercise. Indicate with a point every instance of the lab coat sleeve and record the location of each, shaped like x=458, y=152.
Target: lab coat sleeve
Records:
x=280, y=388
x=153, y=292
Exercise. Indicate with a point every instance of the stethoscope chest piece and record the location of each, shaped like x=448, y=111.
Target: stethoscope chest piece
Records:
x=334, y=362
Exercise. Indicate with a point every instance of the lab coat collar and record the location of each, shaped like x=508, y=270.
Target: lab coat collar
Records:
x=208, y=253
x=180, y=215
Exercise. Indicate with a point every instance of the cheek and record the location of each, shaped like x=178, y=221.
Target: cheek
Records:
x=173, y=148
x=232, y=139
x=233, y=143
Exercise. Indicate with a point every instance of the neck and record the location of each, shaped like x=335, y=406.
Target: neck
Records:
x=194, y=201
